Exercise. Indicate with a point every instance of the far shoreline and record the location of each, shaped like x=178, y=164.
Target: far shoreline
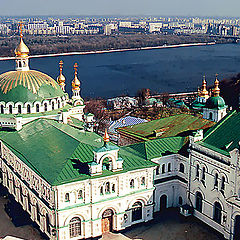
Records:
x=113, y=50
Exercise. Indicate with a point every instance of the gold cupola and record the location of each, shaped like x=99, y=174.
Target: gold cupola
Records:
x=204, y=91
x=216, y=90
x=75, y=82
x=21, y=50
x=61, y=79
x=106, y=137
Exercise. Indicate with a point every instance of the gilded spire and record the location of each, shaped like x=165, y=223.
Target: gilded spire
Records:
x=75, y=82
x=204, y=91
x=61, y=79
x=21, y=50
x=216, y=90
x=106, y=137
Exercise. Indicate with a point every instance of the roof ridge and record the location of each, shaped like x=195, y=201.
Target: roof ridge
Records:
x=219, y=124
x=61, y=130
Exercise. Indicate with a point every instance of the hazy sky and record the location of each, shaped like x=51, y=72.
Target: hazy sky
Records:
x=121, y=7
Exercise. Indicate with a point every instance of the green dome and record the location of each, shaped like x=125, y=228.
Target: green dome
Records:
x=28, y=86
x=215, y=103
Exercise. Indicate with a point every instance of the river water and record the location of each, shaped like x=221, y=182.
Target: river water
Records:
x=162, y=70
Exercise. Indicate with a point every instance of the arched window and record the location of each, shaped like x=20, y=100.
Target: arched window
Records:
x=53, y=105
x=101, y=190
x=38, y=213
x=107, y=164
x=157, y=170
x=75, y=227
x=169, y=167
x=45, y=107
x=59, y=104
x=113, y=188
x=181, y=168
x=132, y=183
x=37, y=107
x=67, y=197
x=199, y=200
x=197, y=171
x=29, y=203
x=217, y=212
x=223, y=183
x=21, y=193
x=136, y=211
x=210, y=116
x=180, y=200
x=216, y=181
x=107, y=187
x=28, y=109
x=19, y=109
x=163, y=168
x=143, y=181
x=48, y=223
x=14, y=187
x=203, y=174
x=80, y=194
x=2, y=109
x=10, y=109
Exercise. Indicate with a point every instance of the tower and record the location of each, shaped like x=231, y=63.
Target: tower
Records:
x=203, y=94
x=215, y=108
x=61, y=79
x=21, y=53
x=75, y=85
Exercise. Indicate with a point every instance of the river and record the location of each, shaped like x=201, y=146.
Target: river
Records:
x=162, y=70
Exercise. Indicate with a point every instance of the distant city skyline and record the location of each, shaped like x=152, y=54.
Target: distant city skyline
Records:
x=215, y=8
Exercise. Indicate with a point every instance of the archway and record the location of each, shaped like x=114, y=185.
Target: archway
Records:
x=163, y=202
x=236, y=235
x=107, y=221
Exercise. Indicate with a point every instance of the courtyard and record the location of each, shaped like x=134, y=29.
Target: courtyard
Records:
x=169, y=225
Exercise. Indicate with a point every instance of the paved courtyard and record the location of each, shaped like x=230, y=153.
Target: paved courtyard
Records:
x=171, y=226
x=167, y=226
x=7, y=228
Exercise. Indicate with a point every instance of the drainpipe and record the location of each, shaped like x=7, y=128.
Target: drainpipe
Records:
x=55, y=210
x=190, y=171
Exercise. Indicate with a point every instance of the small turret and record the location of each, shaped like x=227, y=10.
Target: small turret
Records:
x=216, y=90
x=106, y=137
x=76, y=85
x=21, y=53
x=61, y=79
x=204, y=91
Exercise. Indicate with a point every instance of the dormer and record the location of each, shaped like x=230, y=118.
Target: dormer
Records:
x=106, y=158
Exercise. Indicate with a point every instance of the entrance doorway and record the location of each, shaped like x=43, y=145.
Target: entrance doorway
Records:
x=107, y=221
x=163, y=202
x=237, y=228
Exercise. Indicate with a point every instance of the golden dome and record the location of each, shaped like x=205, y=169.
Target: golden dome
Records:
x=21, y=50
x=106, y=137
x=32, y=80
x=61, y=79
x=75, y=82
x=204, y=91
x=216, y=90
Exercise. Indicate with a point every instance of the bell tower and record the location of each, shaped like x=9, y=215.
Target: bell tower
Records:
x=21, y=53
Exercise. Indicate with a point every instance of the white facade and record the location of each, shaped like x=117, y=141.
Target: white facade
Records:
x=214, y=114
x=215, y=178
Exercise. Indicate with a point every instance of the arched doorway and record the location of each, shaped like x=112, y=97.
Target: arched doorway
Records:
x=107, y=220
x=163, y=202
x=236, y=235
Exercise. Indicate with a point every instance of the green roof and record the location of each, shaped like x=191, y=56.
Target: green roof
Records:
x=59, y=153
x=215, y=103
x=225, y=135
x=158, y=147
x=167, y=127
